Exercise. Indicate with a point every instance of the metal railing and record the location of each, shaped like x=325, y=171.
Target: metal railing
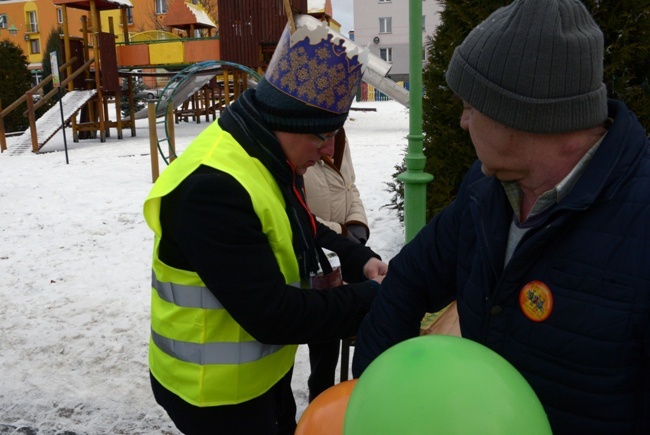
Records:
x=32, y=106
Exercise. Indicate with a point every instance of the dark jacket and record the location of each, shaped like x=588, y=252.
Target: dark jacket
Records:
x=209, y=226
x=589, y=362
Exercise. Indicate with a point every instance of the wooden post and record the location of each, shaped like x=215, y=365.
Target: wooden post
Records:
x=32, y=121
x=171, y=139
x=87, y=40
x=287, y=9
x=235, y=84
x=226, y=86
x=96, y=26
x=153, y=141
x=118, y=109
x=91, y=104
x=66, y=44
x=125, y=25
x=3, y=138
x=206, y=102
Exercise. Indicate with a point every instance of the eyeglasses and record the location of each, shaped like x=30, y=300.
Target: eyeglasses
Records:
x=324, y=138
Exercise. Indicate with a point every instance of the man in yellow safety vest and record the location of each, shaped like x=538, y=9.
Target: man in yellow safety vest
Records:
x=237, y=252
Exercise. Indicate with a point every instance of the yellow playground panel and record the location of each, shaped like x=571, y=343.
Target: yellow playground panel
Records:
x=157, y=48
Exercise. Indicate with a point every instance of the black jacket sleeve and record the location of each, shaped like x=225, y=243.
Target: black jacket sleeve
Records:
x=353, y=255
x=209, y=226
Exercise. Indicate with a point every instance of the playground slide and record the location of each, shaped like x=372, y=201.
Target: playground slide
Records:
x=48, y=124
x=178, y=91
x=187, y=82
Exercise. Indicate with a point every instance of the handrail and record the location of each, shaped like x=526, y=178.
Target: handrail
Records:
x=164, y=41
x=64, y=82
x=23, y=98
x=31, y=106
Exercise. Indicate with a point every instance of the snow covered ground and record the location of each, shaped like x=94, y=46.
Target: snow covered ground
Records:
x=75, y=274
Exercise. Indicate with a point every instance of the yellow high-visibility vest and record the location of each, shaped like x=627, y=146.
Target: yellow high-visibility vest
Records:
x=197, y=350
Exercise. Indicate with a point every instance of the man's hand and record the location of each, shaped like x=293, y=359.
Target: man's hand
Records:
x=375, y=269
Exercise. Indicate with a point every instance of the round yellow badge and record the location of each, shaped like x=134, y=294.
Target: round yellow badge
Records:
x=536, y=301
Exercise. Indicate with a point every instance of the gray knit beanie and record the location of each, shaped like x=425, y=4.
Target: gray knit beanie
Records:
x=534, y=65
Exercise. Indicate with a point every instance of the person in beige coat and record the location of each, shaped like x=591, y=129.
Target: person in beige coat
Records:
x=334, y=199
x=332, y=194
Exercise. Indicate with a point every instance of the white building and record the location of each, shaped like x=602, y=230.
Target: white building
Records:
x=383, y=26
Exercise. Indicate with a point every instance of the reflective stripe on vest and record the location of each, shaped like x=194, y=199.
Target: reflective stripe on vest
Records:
x=214, y=353
x=197, y=350
x=190, y=296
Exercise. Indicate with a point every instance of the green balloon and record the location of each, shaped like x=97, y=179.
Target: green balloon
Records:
x=438, y=384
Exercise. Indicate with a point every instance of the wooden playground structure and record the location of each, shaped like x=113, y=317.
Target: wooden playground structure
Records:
x=98, y=72
x=95, y=66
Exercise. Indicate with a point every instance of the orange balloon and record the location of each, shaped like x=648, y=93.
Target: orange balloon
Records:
x=325, y=414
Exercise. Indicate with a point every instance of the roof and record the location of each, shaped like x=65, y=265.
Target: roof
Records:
x=182, y=15
x=101, y=5
x=319, y=6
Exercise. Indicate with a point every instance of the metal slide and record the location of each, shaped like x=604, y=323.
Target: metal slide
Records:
x=184, y=84
x=48, y=124
x=189, y=80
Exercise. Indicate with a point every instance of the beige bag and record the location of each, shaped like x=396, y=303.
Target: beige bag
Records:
x=445, y=322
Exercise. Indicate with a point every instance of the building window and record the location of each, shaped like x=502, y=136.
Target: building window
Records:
x=385, y=1
x=161, y=6
x=59, y=15
x=129, y=15
x=37, y=76
x=32, y=22
x=386, y=54
x=35, y=46
x=424, y=21
x=386, y=25
x=3, y=21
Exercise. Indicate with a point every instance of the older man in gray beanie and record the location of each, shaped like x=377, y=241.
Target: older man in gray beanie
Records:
x=546, y=246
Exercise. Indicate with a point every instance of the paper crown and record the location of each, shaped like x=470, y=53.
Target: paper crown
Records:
x=317, y=66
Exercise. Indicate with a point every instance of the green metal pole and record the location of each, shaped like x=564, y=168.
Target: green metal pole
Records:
x=415, y=179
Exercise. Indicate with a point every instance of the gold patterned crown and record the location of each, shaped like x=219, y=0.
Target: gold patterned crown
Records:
x=317, y=66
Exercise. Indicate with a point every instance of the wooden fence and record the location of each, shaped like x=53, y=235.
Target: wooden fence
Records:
x=370, y=93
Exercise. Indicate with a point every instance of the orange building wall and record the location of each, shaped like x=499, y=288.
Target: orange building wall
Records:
x=144, y=18
x=47, y=19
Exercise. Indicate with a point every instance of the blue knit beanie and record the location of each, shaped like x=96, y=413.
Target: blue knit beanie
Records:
x=534, y=65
